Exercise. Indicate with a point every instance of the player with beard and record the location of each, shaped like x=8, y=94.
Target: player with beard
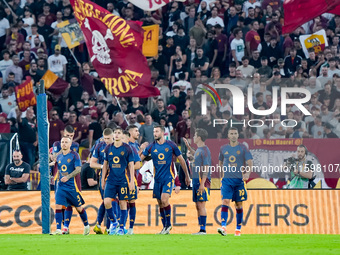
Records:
x=162, y=152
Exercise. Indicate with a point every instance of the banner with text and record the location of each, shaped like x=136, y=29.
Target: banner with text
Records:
x=25, y=95
x=265, y=212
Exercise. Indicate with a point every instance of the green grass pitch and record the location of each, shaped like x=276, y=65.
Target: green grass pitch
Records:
x=170, y=244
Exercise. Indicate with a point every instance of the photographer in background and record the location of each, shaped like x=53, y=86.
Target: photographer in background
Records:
x=301, y=170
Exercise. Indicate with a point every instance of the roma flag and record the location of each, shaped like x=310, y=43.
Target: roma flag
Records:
x=53, y=83
x=25, y=95
x=317, y=41
x=115, y=48
x=298, y=12
x=150, y=45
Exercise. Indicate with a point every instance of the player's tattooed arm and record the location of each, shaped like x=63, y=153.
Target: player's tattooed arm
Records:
x=192, y=151
x=74, y=173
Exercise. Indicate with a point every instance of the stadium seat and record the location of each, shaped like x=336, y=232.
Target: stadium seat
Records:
x=260, y=183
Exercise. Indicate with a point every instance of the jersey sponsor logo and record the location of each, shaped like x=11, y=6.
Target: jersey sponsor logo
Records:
x=232, y=159
x=160, y=156
x=63, y=168
x=115, y=159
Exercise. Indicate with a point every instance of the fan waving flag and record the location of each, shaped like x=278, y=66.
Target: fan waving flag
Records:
x=115, y=48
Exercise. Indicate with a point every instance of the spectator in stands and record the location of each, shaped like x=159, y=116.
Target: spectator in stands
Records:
x=19, y=38
x=73, y=93
x=28, y=135
x=214, y=20
x=95, y=130
x=177, y=99
x=16, y=69
x=160, y=111
x=32, y=38
x=292, y=61
x=181, y=127
x=246, y=69
x=237, y=46
x=146, y=130
x=76, y=126
x=172, y=116
x=57, y=63
x=135, y=106
x=89, y=178
x=265, y=71
x=252, y=38
x=56, y=130
x=7, y=103
x=17, y=173
x=120, y=120
x=328, y=131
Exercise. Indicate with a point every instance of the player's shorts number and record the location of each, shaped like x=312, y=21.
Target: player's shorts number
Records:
x=79, y=200
x=123, y=190
x=242, y=192
x=133, y=192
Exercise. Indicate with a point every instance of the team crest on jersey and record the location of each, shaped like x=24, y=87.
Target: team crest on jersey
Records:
x=55, y=124
x=238, y=152
x=166, y=149
x=75, y=150
x=122, y=153
x=69, y=160
x=110, y=153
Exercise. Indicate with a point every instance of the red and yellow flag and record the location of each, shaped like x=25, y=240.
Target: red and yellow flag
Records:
x=115, y=48
x=25, y=95
x=53, y=83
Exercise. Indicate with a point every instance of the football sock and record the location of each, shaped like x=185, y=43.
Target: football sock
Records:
x=203, y=222
x=224, y=215
x=83, y=216
x=199, y=220
x=108, y=222
x=162, y=213
x=132, y=214
x=116, y=209
x=101, y=214
x=111, y=216
x=58, y=218
x=67, y=216
x=239, y=218
x=167, y=216
x=123, y=216
x=63, y=215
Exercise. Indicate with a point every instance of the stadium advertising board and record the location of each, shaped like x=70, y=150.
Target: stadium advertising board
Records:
x=265, y=212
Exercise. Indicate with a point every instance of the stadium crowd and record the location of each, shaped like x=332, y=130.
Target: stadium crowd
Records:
x=234, y=42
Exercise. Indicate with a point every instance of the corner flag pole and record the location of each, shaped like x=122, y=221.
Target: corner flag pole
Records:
x=43, y=129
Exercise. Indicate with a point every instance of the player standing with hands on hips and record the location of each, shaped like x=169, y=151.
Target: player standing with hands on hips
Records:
x=162, y=152
x=231, y=160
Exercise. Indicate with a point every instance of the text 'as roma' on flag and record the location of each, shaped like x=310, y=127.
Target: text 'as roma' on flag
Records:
x=115, y=48
x=25, y=95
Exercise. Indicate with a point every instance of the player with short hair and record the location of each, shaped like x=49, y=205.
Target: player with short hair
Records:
x=96, y=162
x=131, y=140
x=200, y=176
x=67, y=192
x=118, y=157
x=232, y=159
x=162, y=152
x=68, y=211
